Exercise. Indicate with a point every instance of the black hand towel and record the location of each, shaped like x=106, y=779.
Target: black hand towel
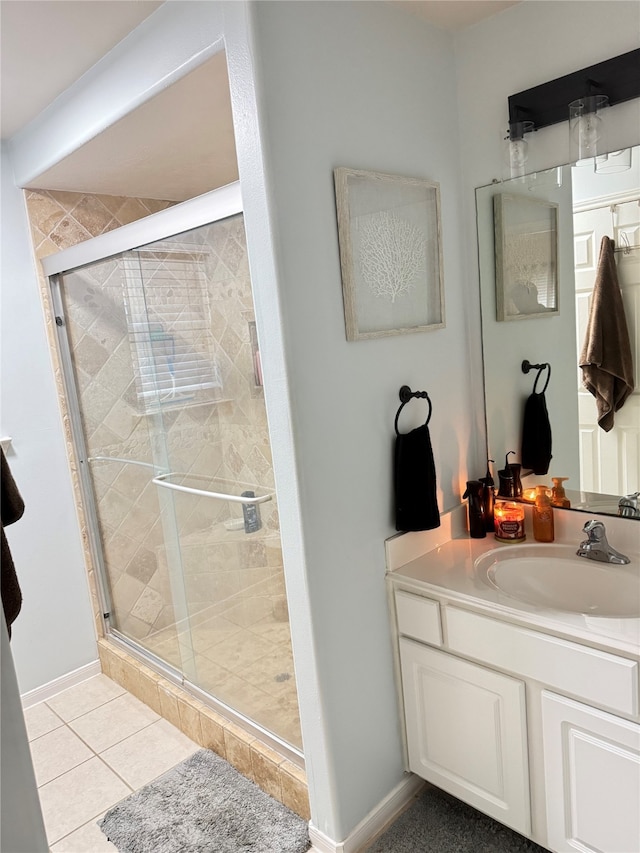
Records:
x=11, y=509
x=414, y=478
x=536, y=435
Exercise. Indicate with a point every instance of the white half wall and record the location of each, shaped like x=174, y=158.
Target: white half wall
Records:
x=368, y=86
x=54, y=633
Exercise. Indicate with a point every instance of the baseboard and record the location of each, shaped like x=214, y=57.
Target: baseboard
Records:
x=41, y=694
x=373, y=823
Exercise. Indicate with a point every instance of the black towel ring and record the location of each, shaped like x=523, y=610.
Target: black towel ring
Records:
x=527, y=366
x=407, y=394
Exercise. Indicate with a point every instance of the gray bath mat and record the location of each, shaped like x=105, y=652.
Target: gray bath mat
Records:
x=438, y=823
x=203, y=805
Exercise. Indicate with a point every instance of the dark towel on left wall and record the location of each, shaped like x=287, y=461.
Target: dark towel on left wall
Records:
x=11, y=509
x=414, y=478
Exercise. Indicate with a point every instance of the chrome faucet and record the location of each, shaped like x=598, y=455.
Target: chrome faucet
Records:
x=596, y=547
x=629, y=506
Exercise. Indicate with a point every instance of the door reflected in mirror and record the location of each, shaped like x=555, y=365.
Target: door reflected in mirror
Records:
x=578, y=206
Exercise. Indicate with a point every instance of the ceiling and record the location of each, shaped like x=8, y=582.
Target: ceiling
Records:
x=45, y=45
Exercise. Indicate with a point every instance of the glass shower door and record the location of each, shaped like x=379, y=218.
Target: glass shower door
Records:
x=121, y=449
x=167, y=372
x=198, y=291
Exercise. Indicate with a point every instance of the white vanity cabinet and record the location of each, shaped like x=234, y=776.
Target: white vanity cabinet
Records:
x=466, y=731
x=466, y=678
x=592, y=778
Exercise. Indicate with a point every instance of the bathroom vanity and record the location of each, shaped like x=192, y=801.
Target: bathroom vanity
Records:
x=528, y=713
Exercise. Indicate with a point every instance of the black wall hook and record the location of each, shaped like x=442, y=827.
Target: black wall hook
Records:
x=407, y=394
x=527, y=366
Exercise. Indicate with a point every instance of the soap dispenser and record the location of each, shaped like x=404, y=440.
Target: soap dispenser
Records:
x=542, y=516
x=558, y=496
x=488, y=498
x=476, y=514
x=509, y=478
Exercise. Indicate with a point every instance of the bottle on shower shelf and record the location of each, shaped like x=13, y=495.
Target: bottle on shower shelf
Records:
x=251, y=513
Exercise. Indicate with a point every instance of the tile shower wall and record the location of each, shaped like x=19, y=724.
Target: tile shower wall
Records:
x=59, y=220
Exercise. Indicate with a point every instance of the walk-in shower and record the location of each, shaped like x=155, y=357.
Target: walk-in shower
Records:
x=164, y=389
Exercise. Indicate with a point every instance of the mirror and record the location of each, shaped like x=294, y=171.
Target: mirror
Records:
x=539, y=240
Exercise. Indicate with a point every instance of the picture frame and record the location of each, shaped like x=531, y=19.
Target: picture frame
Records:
x=389, y=232
x=526, y=252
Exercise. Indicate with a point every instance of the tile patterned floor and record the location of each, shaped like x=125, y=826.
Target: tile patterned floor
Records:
x=92, y=745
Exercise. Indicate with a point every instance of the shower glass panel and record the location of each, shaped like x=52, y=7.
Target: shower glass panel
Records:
x=175, y=442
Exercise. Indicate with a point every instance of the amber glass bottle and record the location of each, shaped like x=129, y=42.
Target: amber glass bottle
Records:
x=542, y=516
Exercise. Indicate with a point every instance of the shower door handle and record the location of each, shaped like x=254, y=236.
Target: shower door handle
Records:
x=160, y=480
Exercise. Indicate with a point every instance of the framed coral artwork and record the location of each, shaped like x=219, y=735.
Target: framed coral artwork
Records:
x=390, y=253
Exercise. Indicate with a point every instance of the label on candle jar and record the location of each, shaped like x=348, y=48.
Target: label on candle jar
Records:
x=509, y=522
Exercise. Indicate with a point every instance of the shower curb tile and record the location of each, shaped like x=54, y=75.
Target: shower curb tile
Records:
x=189, y=714
x=212, y=726
x=267, y=753
x=145, y=687
x=265, y=772
x=238, y=748
x=295, y=794
x=105, y=653
x=169, y=707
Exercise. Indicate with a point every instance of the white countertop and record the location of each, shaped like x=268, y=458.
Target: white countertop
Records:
x=441, y=564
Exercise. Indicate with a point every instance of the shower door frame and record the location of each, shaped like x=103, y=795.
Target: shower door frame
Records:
x=184, y=216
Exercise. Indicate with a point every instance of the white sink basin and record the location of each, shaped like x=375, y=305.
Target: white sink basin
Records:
x=552, y=576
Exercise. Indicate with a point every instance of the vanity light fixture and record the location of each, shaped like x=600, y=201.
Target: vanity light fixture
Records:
x=580, y=97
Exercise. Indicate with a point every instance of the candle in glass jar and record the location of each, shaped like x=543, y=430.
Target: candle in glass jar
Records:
x=509, y=521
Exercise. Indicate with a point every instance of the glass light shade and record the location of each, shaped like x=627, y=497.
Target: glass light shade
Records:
x=587, y=129
x=517, y=150
x=614, y=161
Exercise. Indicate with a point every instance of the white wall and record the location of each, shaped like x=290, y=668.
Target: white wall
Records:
x=54, y=633
x=366, y=86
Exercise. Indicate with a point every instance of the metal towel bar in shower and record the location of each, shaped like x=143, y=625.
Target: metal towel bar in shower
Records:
x=160, y=480
x=118, y=459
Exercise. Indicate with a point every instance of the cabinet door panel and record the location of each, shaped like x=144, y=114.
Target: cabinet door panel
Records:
x=592, y=778
x=466, y=732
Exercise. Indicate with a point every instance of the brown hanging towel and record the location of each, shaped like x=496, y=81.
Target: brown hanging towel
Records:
x=607, y=368
x=11, y=509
